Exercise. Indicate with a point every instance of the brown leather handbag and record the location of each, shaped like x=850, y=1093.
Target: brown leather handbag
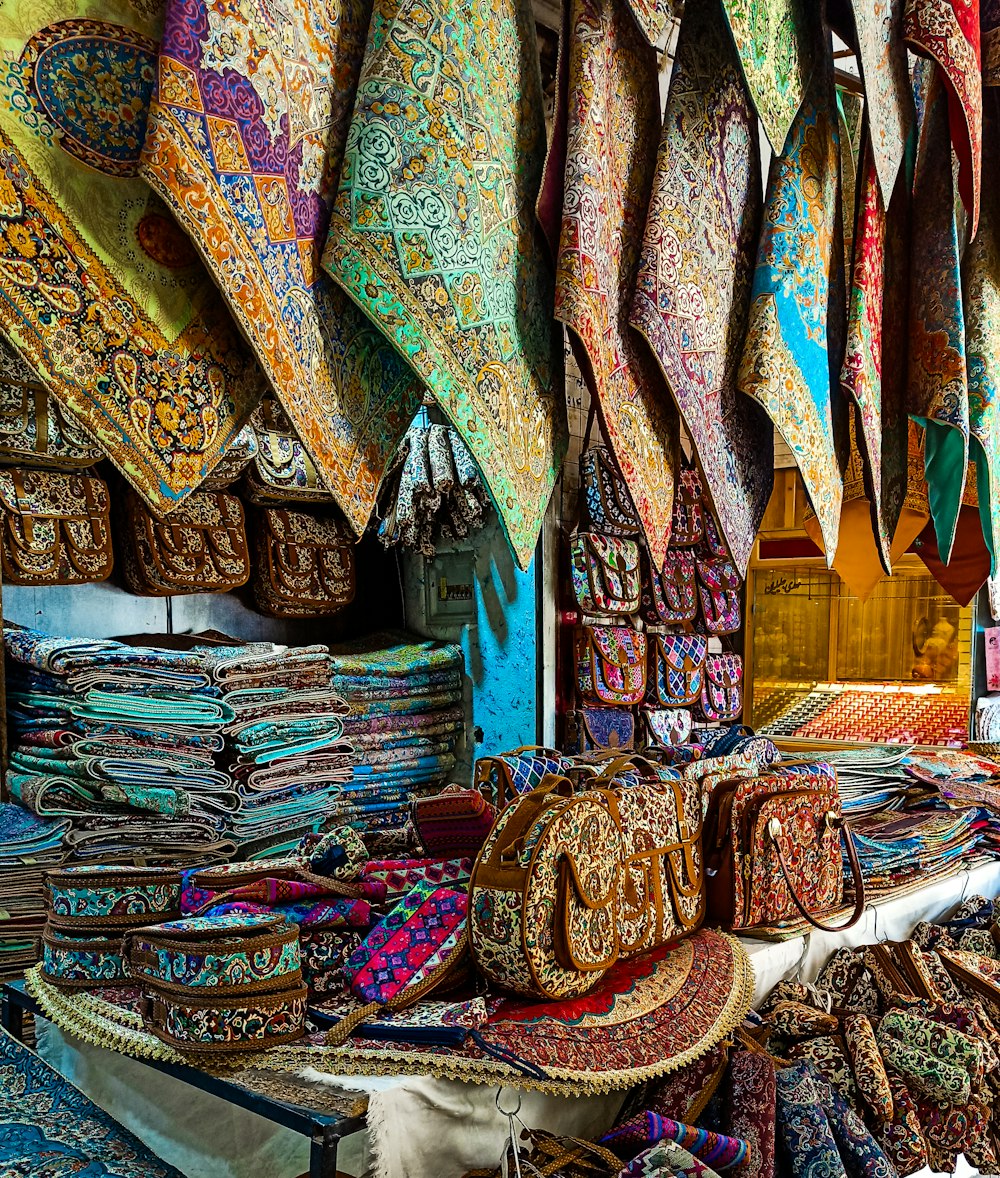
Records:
x=772, y=850
x=305, y=564
x=200, y=547
x=56, y=528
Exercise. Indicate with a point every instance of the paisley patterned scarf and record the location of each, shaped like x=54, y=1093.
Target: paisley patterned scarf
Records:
x=786, y=360
x=433, y=233
x=593, y=206
x=696, y=266
x=947, y=31
x=245, y=141
x=653, y=17
x=101, y=292
x=938, y=396
x=981, y=302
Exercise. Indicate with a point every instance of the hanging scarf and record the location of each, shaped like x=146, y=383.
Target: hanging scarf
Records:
x=696, y=268
x=593, y=207
x=938, y=397
x=889, y=98
x=786, y=361
x=101, y=292
x=773, y=40
x=850, y=120
x=981, y=302
x=947, y=31
x=433, y=233
x=246, y=136
x=652, y=17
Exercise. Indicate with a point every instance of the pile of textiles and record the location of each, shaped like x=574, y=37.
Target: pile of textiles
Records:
x=406, y=719
x=900, y=849
x=122, y=741
x=870, y=780
x=438, y=497
x=285, y=745
x=28, y=847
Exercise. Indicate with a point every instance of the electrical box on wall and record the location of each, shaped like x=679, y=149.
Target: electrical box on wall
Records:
x=450, y=588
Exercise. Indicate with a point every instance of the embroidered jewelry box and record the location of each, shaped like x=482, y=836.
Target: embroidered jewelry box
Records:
x=79, y=962
x=109, y=897
x=198, y=1024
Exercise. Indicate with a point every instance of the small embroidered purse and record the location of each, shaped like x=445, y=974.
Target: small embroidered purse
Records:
x=56, y=528
x=82, y=962
x=197, y=1024
x=241, y=451
x=669, y=597
x=719, y=594
x=722, y=688
x=108, y=897
x=200, y=547
x=605, y=573
x=608, y=506
x=676, y=669
x=305, y=564
x=453, y=824
x=667, y=726
x=610, y=665
x=688, y=523
x=36, y=431
x=596, y=730
x=281, y=471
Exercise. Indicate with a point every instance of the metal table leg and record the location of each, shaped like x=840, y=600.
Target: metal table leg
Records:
x=12, y=1017
x=323, y=1152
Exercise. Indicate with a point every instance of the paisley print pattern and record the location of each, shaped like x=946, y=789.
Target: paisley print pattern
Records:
x=751, y=1108
x=803, y=1127
x=786, y=364
x=109, y=897
x=433, y=233
x=593, y=205
x=981, y=303
x=131, y=339
x=245, y=142
x=653, y=17
x=773, y=40
x=73, y=962
x=947, y=31
x=249, y=1024
x=693, y=287
x=937, y=389
x=889, y=98
x=868, y=1066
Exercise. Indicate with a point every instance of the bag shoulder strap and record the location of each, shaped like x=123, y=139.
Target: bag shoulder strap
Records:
x=858, y=877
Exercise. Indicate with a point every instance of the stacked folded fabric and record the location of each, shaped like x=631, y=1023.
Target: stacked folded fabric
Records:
x=121, y=740
x=29, y=845
x=288, y=758
x=898, y=849
x=405, y=720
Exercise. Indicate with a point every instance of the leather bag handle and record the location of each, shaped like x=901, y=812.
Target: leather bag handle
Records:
x=859, y=883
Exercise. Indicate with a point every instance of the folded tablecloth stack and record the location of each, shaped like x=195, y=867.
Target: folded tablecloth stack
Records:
x=29, y=846
x=406, y=719
x=122, y=741
x=285, y=743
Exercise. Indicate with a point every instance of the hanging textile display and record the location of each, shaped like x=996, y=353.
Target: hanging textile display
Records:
x=786, y=362
x=245, y=140
x=696, y=267
x=102, y=294
x=989, y=26
x=850, y=120
x=773, y=40
x=968, y=568
x=593, y=207
x=947, y=32
x=433, y=233
x=889, y=98
x=981, y=303
x=938, y=397
x=653, y=17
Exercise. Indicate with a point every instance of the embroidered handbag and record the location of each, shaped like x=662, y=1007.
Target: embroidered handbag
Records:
x=605, y=573
x=453, y=824
x=772, y=848
x=281, y=471
x=676, y=669
x=596, y=730
x=241, y=451
x=83, y=961
x=105, y=896
x=544, y=892
x=56, y=528
x=401, y=876
x=36, y=431
x=220, y=956
x=502, y=777
x=610, y=664
x=666, y=726
x=722, y=688
x=606, y=499
x=669, y=596
x=688, y=523
x=200, y=1024
x=719, y=594
x=305, y=564
x=200, y=547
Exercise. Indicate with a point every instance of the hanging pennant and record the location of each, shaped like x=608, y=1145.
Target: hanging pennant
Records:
x=786, y=359
x=593, y=207
x=947, y=32
x=969, y=567
x=433, y=233
x=101, y=293
x=245, y=140
x=696, y=267
x=937, y=394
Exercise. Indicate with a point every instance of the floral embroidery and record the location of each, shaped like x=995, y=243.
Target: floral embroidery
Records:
x=888, y=97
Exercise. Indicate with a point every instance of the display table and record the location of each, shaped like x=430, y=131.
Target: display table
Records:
x=419, y=1125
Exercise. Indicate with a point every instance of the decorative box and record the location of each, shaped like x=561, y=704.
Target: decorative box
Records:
x=111, y=897
x=82, y=962
x=198, y=1024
